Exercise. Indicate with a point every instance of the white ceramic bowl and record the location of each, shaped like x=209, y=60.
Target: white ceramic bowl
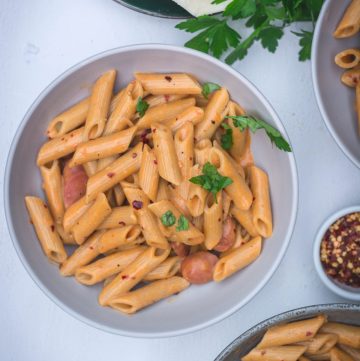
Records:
x=199, y=306
x=335, y=100
x=342, y=290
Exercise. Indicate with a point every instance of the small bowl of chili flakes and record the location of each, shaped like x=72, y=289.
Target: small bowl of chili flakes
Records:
x=337, y=253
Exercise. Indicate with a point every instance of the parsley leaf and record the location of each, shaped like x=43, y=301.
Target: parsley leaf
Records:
x=226, y=138
x=211, y=179
x=270, y=37
x=305, y=44
x=244, y=121
x=141, y=106
x=217, y=36
x=208, y=88
x=183, y=224
x=168, y=219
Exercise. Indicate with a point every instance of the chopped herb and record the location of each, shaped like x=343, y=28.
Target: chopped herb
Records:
x=183, y=224
x=244, y=121
x=209, y=88
x=168, y=219
x=141, y=106
x=211, y=179
x=226, y=138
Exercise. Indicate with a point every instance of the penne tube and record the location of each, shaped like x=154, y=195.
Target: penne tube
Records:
x=192, y=114
x=106, y=267
x=68, y=120
x=348, y=59
x=192, y=236
x=184, y=147
x=108, y=177
x=74, y=212
x=103, y=147
x=149, y=173
x=199, y=223
x=350, y=22
x=320, y=343
x=132, y=274
x=164, y=112
x=339, y=355
x=202, y=150
x=134, y=301
x=240, y=239
x=165, y=153
x=351, y=77
x=353, y=352
x=52, y=185
x=67, y=238
x=282, y=353
x=169, y=268
x=117, y=237
x=163, y=191
x=154, y=100
x=238, y=191
x=292, y=332
x=119, y=195
x=119, y=217
x=45, y=229
x=90, y=168
x=59, y=147
x=245, y=218
x=357, y=94
x=91, y=219
x=173, y=83
x=83, y=255
x=226, y=204
x=99, y=105
x=323, y=356
x=348, y=335
x=237, y=259
x=178, y=201
x=213, y=217
x=214, y=115
x=115, y=100
x=261, y=208
x=125, y=108
x=197, y=194
x=135, y=243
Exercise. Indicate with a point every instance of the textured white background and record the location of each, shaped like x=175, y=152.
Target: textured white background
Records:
x=40, y=39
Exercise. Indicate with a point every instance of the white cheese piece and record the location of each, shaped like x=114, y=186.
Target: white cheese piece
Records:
x=202, y=7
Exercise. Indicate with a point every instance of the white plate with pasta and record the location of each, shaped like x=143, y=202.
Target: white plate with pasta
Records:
x=159, y=188
x=336, y=72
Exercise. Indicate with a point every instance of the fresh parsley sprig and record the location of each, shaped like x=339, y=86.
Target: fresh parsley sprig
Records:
x=168, y=219
x=245, y=121
x=183, y=224
x=209, y=88
x=211, y=179
x=266, y=18
x=142, y=106
x=227, y=137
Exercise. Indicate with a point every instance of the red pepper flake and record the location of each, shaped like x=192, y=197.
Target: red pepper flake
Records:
x=213, y=122
x=191, y=158
x=52, y=227
x=122, y=223
x=168, y=78
x=30, y=221
x=45, y=206
x=118, y=265
x=219, y=219
x=137, y=204
x=91, y=247
x=154, y=130
x=62, y=138
x=110, y=174
x=155, y=161
x=263, y=353
x=124, y=277
x=144, y=137
x=71, y=135
x=134, y=155
x=167, y=98
x=309, y=333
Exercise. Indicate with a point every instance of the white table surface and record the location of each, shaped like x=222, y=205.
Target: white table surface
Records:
x=40, y=39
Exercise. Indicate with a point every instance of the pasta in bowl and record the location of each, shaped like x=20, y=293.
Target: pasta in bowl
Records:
x=150, y=186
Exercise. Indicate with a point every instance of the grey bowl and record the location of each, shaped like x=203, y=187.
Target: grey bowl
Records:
x=340, y=312
x=335, y=100
x=169, y=317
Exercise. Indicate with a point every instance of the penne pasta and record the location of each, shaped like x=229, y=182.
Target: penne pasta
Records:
x=169, y=268
x=119, y=195
x=202, y=150
x=69, y=120
x=213, y=217
x=357, y=94
x=282, y=353
x=192, y=114
x=245, y=218
x=45, y=229
x=67, y=238
x=163, y=191
x=174, y=83
x=348, y=58
x=237, y=259
x=154, y=100
x=197, y=195
x=351, y=77
x=132, y=274
x=350, y=23
x=320, y=343
x=339, y=355
x=119, y=217
x=106, y=267
x=353, y=352
x=74, y=212
x=348, y=335
x=99, y=106
x=90, y=168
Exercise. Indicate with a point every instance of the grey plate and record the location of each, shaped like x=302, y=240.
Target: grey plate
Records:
x=336, y=101
x=340, y=312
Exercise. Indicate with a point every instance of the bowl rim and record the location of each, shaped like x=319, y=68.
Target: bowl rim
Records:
x=282, y=317
x=316, y=87
x=327, y=281
x=7, y=201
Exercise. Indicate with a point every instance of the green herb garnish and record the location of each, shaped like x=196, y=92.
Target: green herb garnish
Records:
x=141, y=106
x=226, y=138
x=168, y=219
x=211, y=179
x=244, y=121
x=183, y=224
x=208, y=88
x=266, y=19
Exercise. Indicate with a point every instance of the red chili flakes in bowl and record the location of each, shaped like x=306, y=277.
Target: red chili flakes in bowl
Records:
x=340, y=250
